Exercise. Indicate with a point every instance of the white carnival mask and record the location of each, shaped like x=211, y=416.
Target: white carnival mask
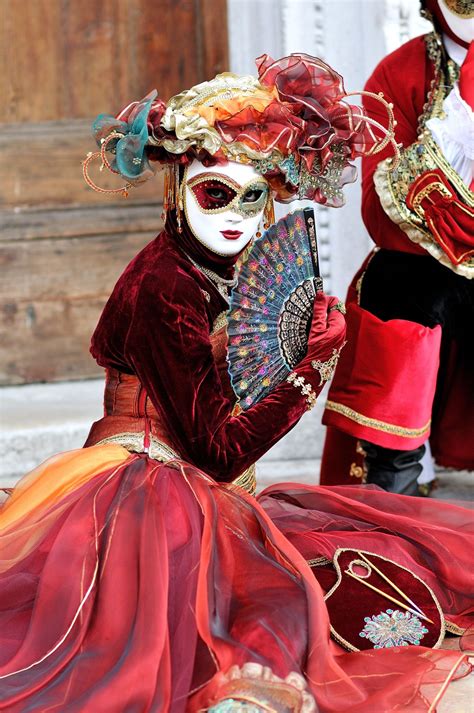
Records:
x=224, y=205
x=462, y=27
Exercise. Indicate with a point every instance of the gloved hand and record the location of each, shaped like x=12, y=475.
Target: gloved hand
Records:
x=326, y=337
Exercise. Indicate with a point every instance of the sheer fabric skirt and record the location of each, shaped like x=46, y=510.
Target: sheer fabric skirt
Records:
x=131, y=585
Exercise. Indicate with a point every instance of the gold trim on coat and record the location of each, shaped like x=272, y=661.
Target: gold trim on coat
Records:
x=375, y=423
x=392, y=183
x=161, y=452
x=346, y=644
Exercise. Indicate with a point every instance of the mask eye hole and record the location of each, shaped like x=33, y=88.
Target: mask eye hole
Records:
x=252, y=195
x=254, y=199
x=212, y=194
x=255, y=195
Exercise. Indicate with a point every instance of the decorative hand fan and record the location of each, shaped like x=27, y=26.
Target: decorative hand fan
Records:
x=272, y=305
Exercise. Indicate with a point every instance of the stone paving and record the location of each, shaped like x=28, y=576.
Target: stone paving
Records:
x=459, y=697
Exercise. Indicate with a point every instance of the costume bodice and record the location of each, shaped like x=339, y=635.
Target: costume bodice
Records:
x=131, y=419
x=162, y=324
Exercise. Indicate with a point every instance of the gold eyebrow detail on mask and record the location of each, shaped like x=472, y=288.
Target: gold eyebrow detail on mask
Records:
x=227, y=181
x=251, y=210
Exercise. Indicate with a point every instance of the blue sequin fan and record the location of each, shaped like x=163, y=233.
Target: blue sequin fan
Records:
x=271, y=307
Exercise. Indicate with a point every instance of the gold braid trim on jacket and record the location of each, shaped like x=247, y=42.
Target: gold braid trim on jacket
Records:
x=392, y=184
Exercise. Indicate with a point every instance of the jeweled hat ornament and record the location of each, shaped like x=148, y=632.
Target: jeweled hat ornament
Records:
x=293, y=124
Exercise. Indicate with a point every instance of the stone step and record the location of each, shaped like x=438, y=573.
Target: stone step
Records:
x=40, y=420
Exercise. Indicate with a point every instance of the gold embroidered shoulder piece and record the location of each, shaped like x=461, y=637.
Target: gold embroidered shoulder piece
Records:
x=392, y=184
x=219, y=323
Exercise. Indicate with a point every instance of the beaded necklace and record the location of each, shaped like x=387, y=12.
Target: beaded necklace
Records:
x=221, y=284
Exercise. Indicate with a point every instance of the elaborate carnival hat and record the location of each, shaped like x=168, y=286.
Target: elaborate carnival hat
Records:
x=293, y=124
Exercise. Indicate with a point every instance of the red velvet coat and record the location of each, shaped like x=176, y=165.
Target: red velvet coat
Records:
x=157, y=325
x=404, y=77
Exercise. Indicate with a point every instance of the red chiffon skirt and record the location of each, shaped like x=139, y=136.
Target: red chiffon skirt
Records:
x=128, y=585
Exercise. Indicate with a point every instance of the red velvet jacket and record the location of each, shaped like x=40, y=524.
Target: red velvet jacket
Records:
x=404, y=77
x=157, y=325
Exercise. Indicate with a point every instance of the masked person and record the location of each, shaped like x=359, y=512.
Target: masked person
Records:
x=139, y=573
x=407, y=373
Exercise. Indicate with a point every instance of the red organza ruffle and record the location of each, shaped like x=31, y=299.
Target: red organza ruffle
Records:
x=142, y=585
x=316, y=94
x=421, y=534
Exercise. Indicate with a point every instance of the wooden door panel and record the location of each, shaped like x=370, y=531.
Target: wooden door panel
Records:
x=66, y=267
x=115, y=218
x=53, y=294
x=76, y=58
x=40, y=166
x=48, y=341
x=30, y=60
x=62, y=245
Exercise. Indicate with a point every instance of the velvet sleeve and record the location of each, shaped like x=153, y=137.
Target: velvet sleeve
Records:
x=168, y=347
x=401, y=78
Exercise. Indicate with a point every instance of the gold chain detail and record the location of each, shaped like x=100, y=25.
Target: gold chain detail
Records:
x=219, y=323
x=327, y=368
x=437, y=92
x=133, y=442
x=221, y=284
x=375, y=423
x=305, y=388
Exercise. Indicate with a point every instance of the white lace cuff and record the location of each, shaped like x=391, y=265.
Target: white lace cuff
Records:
x=454, y=134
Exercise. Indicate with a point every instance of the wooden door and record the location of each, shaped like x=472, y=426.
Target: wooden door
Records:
x=62, y=246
